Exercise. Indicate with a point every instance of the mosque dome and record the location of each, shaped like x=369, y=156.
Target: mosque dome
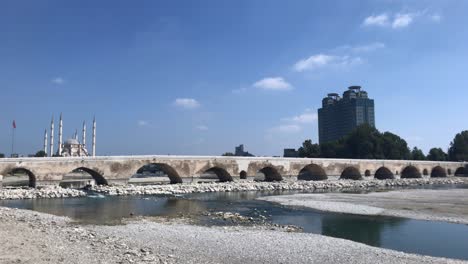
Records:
x=72, y=141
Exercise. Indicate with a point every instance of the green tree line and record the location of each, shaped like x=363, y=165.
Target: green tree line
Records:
x=366, y=142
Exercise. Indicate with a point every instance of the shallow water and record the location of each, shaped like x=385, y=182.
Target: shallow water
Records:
x=414, y=236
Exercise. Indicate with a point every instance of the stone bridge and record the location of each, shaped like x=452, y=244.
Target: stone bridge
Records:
x=119, y=169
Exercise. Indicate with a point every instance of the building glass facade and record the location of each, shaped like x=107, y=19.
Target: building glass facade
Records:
x=340, y=115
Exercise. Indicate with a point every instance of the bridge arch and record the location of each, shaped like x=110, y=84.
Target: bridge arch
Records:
x=100, y=180
x=449, y=171
x=410, y=172
x=221, y=173
x=461, y=171
x=425, y=172
x=367, y=173
x=312, y=172
x=438, y=172
x=351, y=173
x=163, y=168
x=243, y=175
x=383, y=173
x=30, y=175
x=271, y=174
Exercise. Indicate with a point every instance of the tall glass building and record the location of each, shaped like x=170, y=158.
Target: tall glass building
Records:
x=339, y=116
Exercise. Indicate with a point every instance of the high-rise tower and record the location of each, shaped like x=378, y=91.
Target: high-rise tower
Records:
x=339, y=116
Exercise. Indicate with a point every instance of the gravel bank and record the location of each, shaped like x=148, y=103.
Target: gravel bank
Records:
x=30, y=237
x=33, y=193
x=240, y=186
x=439, y=205
x=196, y=244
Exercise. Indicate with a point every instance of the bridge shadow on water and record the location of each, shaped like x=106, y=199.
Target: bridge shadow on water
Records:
x=414, y=236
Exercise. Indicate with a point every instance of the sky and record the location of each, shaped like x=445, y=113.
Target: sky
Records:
x=200, y=77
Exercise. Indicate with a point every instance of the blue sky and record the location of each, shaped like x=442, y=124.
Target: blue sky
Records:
x=199, y=77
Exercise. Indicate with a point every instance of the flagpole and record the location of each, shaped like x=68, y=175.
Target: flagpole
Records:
x=13, y=138
x=13, y=142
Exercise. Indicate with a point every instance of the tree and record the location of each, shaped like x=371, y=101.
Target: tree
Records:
x=417, y=154
x=309, y=150
x=41, y=153
x=437, y=154
x=331, y=149
x=459, y=147
x=394, y=147
x=228, y=154
x=364, y=142
x=2, y=155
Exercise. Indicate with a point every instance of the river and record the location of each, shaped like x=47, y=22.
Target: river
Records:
x=432, y=238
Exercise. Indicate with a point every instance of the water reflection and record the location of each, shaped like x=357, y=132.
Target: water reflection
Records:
x=358, y=228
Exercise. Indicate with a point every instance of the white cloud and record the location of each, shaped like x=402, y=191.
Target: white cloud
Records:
x=304, y=118
x=187, y=103
x=368, y=47
x=273, y=83
x=436, y=18
x=293, y=124
x=403, y=20
x=318, y=61
x=288, y=128
x=142, y=123
x=239, y=91
x=379, y=20
x=399, y=20
x=58, y=81
x=202, y=128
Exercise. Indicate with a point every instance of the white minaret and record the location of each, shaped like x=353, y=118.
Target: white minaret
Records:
x=51, y=153
x=84, y=135
x=60, y=142
x=94, y=137
x=45, y=142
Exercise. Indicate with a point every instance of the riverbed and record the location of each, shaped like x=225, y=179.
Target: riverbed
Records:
x=200, y=210
x=30, y=237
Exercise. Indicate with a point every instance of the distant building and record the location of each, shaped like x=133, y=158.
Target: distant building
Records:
x=290, y=153
x=71, y=147
x=339, y=116
x=239, y=151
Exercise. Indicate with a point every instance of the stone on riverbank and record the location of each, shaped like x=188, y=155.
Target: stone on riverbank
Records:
x=242, y=186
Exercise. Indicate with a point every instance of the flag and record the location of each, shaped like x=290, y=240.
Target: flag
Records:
x=14, y=124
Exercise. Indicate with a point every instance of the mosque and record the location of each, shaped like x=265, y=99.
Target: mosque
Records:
x=72, y=147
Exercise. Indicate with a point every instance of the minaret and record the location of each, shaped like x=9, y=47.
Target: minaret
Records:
x=51, y=153
x=76, y=134
x=84, y=135
x=59, y=152
x=45, y=142
x=94, y=137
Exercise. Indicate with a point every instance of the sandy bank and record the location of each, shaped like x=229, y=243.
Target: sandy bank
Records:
x=29, y=237
x=440, y=205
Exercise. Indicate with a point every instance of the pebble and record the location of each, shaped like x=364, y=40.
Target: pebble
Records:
x=242, y=186
x=238, y=186
x=35, y=193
